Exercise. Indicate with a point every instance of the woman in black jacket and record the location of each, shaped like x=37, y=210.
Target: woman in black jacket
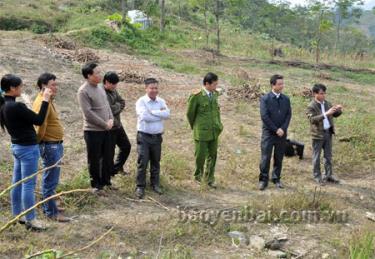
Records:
x=19, y=121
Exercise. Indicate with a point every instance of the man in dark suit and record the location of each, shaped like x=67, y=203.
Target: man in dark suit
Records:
x=276, y=112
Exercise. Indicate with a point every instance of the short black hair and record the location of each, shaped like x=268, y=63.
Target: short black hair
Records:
x=88, y=69
x=210, y=78
x=44, y=79
x=317, y=87
x=274, y=79
x=7, y=81
x=111, y=77
x=10, y=80
x=150, y=81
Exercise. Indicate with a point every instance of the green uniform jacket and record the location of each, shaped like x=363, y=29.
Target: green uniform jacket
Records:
x=204, y=116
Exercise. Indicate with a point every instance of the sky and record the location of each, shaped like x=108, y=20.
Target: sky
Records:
x=368, y=4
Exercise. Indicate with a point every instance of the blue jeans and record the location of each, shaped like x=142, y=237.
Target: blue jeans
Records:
x=50, y=153
x=25, y=164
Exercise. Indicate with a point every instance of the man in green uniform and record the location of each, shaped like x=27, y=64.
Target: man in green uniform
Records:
x=204, y=118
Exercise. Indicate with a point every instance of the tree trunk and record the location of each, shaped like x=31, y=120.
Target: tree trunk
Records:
x=217, y=16
x=162, y=14
x=337, y=41
x=206, y=24
x=124, y=4
x=317, y=52
x=179, y=10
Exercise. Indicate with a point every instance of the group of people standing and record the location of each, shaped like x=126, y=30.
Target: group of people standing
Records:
x=39, y=133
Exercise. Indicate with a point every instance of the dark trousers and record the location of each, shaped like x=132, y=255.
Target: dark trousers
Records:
x=276, y=144
x=120, y=139
x=149, y=151
x=324, y=144
x=98, y=144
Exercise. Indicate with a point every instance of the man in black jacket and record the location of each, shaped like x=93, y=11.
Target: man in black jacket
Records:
x=276, y=112
x=118, y=134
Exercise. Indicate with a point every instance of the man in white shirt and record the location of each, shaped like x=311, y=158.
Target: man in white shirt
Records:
x=320, y=113
x=151, y=113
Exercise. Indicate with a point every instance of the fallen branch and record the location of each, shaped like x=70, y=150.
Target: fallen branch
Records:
x=29, y=177
x=42, y=253
x=11, y=222
x=159, y=249
x=86, y=247
x=158, y=203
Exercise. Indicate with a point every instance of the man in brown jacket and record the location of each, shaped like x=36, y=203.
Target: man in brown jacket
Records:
x=321, y=113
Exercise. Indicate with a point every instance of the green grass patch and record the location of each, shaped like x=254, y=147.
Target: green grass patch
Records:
x=362, y=246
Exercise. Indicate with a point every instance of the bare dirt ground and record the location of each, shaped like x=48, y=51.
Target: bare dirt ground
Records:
x=152, y=228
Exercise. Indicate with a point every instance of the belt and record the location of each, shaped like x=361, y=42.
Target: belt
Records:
x=51, y=142
x=150, y=135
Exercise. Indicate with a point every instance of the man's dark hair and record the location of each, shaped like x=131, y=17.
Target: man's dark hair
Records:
x=274, y=79
x=150, y=81
x=317, y=87
x=6, y=83
x=111, y=77
x=210, y=78
x=88, y=69
x=44, y=79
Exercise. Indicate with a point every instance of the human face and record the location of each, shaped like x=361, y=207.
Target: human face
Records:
x=321, y=96
x=96, y=76
x=279, y=86
x=52, y=84
x=152, y=90
x=211, y=87
x=109, y=86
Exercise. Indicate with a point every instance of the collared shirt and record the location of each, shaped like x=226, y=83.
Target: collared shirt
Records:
x=150, y=116
x=326, y=124
x=209, y=94
x=276, y=94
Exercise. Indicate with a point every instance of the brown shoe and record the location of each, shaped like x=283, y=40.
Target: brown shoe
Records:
x=60, y=218
x=60, y=209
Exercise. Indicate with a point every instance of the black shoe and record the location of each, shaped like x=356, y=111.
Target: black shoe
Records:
x=22, y=220
x=120, y=171
x=262, y=185
x=140, y=192
x=157, y=189
x=99, y=192
x=279, y=185
x=332, y=179
x=36, y=225
x=212, y=185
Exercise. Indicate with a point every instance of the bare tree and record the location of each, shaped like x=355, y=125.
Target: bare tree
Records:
x=124, y=4
x=218, y=12
x=162, y=14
